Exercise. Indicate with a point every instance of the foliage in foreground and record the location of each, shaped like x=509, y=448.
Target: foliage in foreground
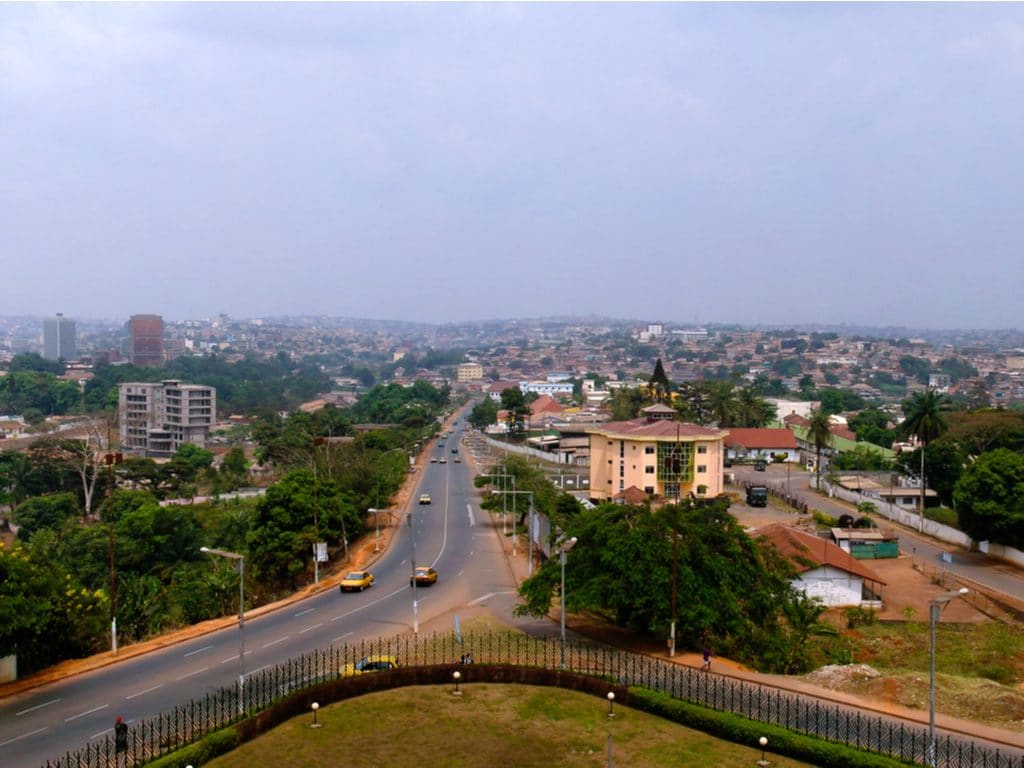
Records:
x=730, y=592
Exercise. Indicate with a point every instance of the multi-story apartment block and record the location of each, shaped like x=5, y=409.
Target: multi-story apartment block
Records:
x=158, y=418
x=146, y=339
x=60, y=341
x=656, y=455
x=468, y=372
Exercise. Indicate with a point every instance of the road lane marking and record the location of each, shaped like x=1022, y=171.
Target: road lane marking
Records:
x=472, y=520
x=370, y=604
x=303, y=613
x=198, y=650
x=307, y=629
x=460, y=573
x=148, y=690
x=234, y=658
x=87, y=712
x=275, y=642
x=37, y=706
x=23, y=736
x=101, y=733
x=190, y=674
x=342, y=637
x=489, y=595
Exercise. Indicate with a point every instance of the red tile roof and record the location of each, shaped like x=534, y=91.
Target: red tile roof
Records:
x=807, y=552
x=761, y=438
x=658, y=428
x=545, y=404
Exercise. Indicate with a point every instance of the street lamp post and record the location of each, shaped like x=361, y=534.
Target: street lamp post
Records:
x=563, y=552
x=415, y=605
x=935, y=610
x=241, y=614
x=376, y=517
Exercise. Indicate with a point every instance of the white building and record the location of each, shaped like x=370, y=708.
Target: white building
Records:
x=553, y=388
x=60, y=341
x=156, y=419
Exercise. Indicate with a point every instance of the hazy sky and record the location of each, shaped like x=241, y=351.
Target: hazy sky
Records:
x=769, y=163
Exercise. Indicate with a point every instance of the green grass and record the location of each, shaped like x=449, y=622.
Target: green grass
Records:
x=489, y=725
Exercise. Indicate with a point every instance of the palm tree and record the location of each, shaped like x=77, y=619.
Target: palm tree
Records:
x=925, y=420
x=722, y=403
x=752, y=410
x=819, y=434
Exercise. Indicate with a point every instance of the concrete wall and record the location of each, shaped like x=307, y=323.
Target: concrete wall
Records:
x=831, y=586
x=8, y=669
x=1000, y=552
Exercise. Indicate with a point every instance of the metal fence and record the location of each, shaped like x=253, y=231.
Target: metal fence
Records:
x=185, y=724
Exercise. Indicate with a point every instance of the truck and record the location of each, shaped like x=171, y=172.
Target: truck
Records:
x=757, y=496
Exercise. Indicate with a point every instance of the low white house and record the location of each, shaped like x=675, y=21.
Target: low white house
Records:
x=825, y=572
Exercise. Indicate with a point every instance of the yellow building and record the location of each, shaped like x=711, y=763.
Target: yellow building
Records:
x=657, y=455
x=469, y=372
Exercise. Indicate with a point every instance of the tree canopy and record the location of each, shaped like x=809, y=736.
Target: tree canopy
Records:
x=990, y=498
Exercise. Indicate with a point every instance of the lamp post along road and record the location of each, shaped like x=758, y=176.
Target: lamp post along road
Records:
x=563, y=552
x=241, y=614
x=935, y=610
x=415, y=605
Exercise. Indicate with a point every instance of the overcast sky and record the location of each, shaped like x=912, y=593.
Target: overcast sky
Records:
x=762, y=163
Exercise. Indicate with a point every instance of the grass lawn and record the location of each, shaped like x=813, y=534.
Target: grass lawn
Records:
x=489, y=725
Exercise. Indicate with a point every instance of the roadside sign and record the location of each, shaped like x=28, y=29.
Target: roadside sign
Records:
x=320, y=551
x=947, y=558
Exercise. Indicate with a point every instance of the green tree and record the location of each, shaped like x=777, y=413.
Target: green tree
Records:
x=990, y=498
x=660, y=385
x=872, y=426
x=722, y=403
x=484, y=413
x=925, y=420
x=233, y=468
x=625, y=403
x=752, y=410
x=819, y=434
x=40, y=512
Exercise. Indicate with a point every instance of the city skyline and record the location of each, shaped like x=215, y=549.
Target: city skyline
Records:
x=768, y=164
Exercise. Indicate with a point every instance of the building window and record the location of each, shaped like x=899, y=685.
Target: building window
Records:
x=702, y=490
x=671, y=490
x=649, y=490
x=675, y=462
x=622, y=448
x=649, y=449
x=622, y=470
x=701, y=469
x=648, y=470
x=702, y=449
x=622, y=485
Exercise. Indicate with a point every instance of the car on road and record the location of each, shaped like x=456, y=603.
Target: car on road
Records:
x=423, y=577
x=457, y=460
x=356, y=581
x=455, y=450
x=760, y=466
x=444, y=460
x=369, y=664
x=425, y=498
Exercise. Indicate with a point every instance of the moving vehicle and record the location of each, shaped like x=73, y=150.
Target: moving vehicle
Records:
x=757, y=496
x=356, y=581
x=369, y=664
x=760, y=466
x=433, y=459
x=424, y=576
x=457, y=460
x=425, y=498
x=444, y=460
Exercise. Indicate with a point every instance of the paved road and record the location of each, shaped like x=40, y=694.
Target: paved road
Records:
x=451, y=535
x=975, y=566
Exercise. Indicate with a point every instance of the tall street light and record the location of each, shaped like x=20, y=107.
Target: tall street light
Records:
x=563, y=552
x=936, y=605
x=241, y=614
x=415, y=605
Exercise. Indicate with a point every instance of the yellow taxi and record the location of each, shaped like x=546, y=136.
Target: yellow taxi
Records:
x=356, y=581
x=423, y=577
x=369, y=664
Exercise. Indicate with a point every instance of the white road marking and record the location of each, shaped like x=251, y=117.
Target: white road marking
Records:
x=307, y=629
x=303, y=613
x=23, y=736
x=190, y=674
x=101, y=733
x=198, y=650
x=370, y=604
x=37, y=706
x=275, y=642
x=234, y=658
x=87, y=712
x=489, y=595
x=472, y=520
x=342, y=637
x=460, y=573
x=148, y=690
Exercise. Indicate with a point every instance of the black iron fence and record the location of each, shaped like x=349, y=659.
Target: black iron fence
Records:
x=185, y=724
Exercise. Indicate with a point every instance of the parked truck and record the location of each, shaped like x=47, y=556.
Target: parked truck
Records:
x=757, y=496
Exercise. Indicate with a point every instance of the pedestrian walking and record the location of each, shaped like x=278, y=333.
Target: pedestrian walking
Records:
x=120, y=735
x=707, y=658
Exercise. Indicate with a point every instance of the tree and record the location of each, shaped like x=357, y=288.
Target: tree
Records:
x=484, y=413
x=233, y=468
x=626, y=402
x=819, y=434
x=990, y=498
x=722, y=403
x=752, y=410
x=925, y=420
x=660, y=385
x=872, y=426
x=41, y=512
x=82, y=456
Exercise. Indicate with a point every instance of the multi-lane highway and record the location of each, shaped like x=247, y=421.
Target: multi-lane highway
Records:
x=450, y=535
